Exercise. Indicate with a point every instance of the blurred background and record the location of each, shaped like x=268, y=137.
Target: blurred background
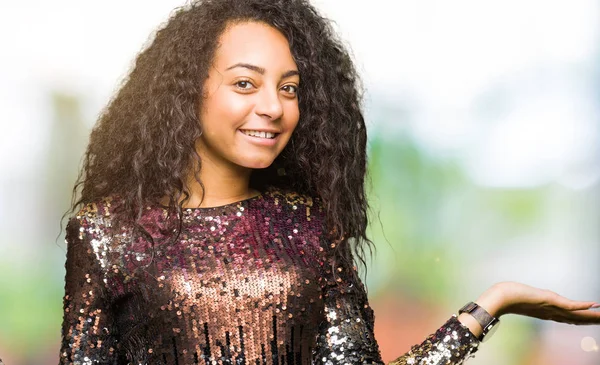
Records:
x=484, y=121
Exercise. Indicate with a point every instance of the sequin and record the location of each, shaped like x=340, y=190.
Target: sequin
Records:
x=246, y=283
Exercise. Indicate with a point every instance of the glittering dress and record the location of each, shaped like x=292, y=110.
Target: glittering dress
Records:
x=245, y=283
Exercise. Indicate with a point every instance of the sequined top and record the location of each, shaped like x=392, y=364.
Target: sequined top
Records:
x=244, y=283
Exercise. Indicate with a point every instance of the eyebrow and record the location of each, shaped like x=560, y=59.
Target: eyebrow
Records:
x=261, y=70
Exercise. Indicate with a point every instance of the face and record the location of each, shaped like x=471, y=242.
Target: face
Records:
x=250, y=104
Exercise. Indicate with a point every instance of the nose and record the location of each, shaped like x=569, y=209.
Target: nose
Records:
x=269, y=104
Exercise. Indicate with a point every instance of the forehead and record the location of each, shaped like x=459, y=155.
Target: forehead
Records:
x=253, y=42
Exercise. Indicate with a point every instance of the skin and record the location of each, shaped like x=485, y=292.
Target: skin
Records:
x=253, y=84
x=516, y=298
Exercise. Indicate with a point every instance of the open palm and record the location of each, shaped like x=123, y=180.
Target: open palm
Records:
x=545, y=304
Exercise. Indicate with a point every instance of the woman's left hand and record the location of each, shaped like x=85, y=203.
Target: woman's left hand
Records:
x=517, y=298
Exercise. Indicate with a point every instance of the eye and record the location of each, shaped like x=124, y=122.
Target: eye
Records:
x=244, y=85
x=290, y=89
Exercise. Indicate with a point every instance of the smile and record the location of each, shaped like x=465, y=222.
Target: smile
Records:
x=257, y=134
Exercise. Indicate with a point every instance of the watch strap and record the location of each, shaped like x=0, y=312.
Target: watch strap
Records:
x=485, y=320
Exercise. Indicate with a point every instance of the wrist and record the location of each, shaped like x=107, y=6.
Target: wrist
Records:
x=493, y=300
x=486, y=323
x=471, y=323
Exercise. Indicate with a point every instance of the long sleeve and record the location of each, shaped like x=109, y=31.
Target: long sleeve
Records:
x=87, y=329
x=346, y=335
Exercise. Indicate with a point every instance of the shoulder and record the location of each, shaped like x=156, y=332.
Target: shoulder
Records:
x=291, y=204
x=93, y=219
x=294, y=200
x=294, y=209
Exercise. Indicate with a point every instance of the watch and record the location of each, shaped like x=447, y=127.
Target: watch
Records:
x=488, y=323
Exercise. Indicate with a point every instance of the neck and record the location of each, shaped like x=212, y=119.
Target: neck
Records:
x=223, y=182
x=222, y=185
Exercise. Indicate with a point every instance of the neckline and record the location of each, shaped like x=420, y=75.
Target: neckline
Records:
x=224, y=206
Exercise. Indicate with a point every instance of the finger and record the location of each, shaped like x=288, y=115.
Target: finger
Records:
x=581, y=317
x=574, y=305
x=568, y=304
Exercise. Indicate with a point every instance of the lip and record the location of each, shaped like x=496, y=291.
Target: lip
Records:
x=261, y=141
x=274, y=131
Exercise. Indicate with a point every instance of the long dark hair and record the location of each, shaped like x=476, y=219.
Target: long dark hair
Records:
x=142, y=146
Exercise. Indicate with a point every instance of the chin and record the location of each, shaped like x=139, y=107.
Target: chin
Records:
x=258, y=164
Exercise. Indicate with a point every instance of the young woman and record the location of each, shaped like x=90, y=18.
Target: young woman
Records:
x=222, y=201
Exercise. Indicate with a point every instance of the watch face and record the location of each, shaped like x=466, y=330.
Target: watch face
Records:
x=491, y=330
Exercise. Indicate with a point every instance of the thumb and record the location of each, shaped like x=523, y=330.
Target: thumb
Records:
x=575, y=305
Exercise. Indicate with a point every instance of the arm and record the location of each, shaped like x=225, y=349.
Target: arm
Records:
x=87, y=329
x=347, y=332
x=346, y=336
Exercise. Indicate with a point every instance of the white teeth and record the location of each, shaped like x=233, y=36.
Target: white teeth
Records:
x=259, y=134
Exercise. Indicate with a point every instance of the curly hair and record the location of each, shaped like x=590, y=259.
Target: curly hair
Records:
x=143, y=144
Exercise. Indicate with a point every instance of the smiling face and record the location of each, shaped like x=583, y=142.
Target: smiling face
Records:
x=250, y=104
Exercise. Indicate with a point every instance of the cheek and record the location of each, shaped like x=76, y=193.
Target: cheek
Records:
x=293, y=115
x=224, y=109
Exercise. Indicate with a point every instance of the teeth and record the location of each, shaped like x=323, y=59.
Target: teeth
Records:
x=259, y=134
